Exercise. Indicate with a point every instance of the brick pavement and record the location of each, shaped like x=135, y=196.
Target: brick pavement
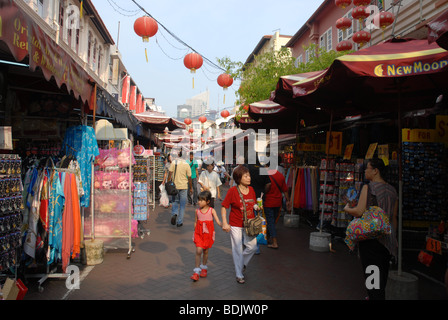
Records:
x=161, y=266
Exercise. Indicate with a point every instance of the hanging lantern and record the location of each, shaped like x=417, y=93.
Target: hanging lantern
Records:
x=360, y=13
x=191, y=130
x=386, y=19
x=146, y=27
x=358, y=3
x=361, y=37
x=343, y=23
x=193, y=61
x=344, y=46
x=202, y=119
x=188, y=121
x=225, y=114
x=343, y=3
x=225, y=81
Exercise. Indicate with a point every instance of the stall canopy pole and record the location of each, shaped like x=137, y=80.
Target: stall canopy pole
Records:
x=400, y=184
x=326, y=174
x=294, y=163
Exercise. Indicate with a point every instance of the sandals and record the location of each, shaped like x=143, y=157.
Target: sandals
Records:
x=272, y=246
x=240, y=280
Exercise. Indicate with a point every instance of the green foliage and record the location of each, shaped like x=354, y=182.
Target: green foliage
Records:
x=260, y=78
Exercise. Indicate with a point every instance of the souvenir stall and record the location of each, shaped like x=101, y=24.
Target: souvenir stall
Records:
x=425, y=214
x=110, y=217
x=143, y=173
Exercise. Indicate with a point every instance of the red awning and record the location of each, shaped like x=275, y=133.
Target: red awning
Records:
x=25, y=38
x=403, y=72
x=158, y=122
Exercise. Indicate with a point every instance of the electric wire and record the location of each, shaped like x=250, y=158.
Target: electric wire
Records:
x=177, y=38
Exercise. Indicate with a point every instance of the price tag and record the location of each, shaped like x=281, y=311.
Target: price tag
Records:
x=433, y=245
x=334, y=143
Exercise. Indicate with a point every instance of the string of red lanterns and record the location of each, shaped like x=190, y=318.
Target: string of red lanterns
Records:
x=359, y=12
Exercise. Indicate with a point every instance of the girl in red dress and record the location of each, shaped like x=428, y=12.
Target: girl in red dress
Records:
x=204, y=233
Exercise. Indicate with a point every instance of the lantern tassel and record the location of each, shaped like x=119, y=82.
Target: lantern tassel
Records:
x=81, y=9
x=193, y=82
x=224, y=98
x=146, y=54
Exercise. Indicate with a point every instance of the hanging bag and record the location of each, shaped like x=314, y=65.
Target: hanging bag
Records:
x=170, y=187
x=373, y=223
x=253, y=227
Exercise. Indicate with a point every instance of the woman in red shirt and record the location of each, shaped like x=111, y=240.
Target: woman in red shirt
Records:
x=272, y=204
x=238, y=236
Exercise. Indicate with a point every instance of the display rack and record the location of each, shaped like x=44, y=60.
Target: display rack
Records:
x=11, y=213
x=144, y=191
x=111, y=207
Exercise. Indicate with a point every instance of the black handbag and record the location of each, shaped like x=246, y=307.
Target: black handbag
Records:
x=170, y=187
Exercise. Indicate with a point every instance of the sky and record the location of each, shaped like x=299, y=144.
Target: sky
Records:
x=214, y=29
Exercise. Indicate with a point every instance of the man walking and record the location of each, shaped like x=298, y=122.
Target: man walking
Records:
x=194, y=179
x=181, y=173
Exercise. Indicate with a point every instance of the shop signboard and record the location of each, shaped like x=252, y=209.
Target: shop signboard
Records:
x=442, y=129
x=348, y=152
x=334, y=143
x=25, y=38
x=6, y=138
x=371, y=151
x=383, y=151
x=419, y=135
x=310, y=147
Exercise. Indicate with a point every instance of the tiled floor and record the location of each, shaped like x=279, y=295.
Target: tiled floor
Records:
x=161, y=266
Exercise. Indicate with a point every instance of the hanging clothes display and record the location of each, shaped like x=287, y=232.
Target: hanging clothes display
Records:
x=54, y=223
x=81, y=142
x=305, y=190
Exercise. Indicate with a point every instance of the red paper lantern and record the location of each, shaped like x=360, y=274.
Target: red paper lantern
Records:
x=202, y=119
x=225, y=81
x=343, y=3
x=361, y=2
x=188, y=121
x=386, y=19
x=343, y=23
x=362, y=37
x=146, y=27
x=191, y=130
x=193, y=61
x=360, y=13
x=344, y=46
x=225, y=114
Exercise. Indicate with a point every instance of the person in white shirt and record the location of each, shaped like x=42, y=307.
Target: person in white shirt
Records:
x=210, y=180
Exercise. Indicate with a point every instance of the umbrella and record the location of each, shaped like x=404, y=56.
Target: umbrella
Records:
x=158, y=122
x=438, y=30
x=396, y=75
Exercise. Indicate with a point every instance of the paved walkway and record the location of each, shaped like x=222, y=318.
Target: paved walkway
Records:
x=161, y=266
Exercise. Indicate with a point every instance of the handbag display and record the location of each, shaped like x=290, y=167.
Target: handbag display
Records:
x=170, y=187
x=373, y=223
x=254, y=226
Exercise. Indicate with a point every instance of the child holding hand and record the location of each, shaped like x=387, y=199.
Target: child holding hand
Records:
x=204, y=233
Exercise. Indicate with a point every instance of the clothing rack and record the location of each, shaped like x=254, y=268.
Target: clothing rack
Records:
x=52, y=272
